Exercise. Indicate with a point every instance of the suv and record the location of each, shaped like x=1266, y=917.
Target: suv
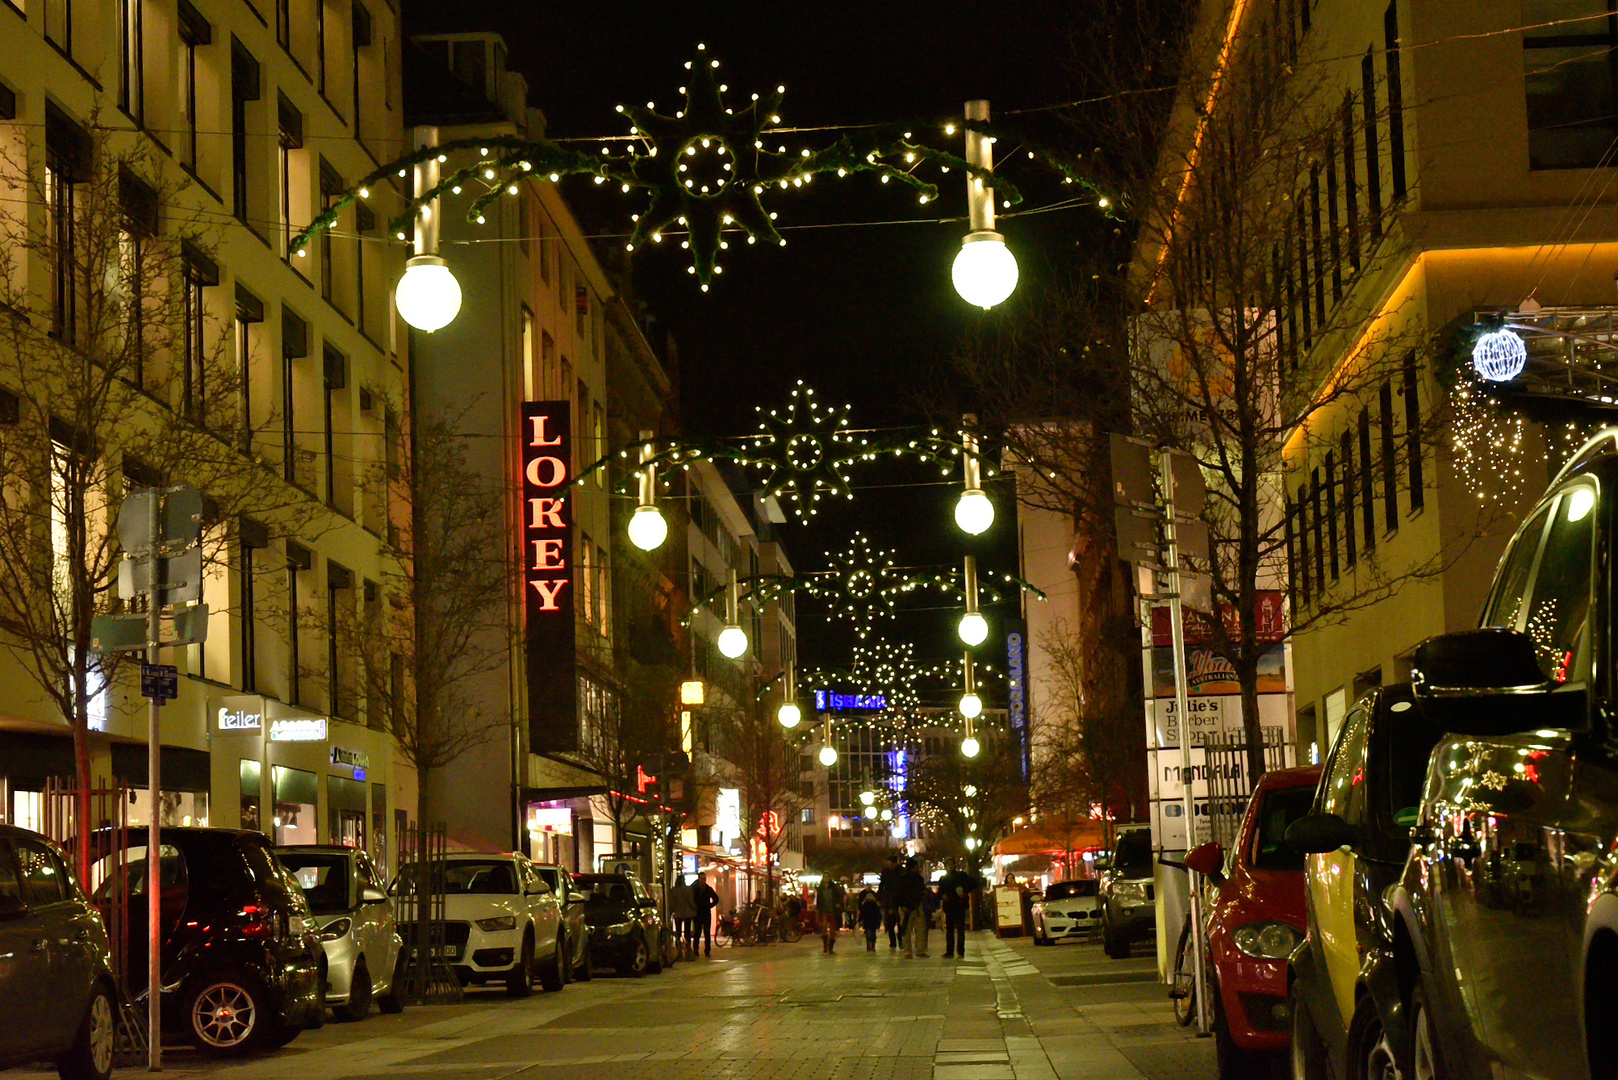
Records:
x=502, y=922
x=356, y=926
x=57, y=999
x=626, y=931
x=1506, y=916
x=242, y=965
x=1128, y=900
x=575, y=935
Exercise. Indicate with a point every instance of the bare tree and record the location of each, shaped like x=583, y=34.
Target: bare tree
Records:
x=763, y=762
x=961, y=798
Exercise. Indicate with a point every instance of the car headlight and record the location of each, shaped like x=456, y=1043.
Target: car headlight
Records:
x=335, y=929
x=499, y=922
x=1129, y=892
x=1266, y=940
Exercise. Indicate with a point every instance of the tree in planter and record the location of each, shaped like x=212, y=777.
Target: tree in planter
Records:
x=114, y=374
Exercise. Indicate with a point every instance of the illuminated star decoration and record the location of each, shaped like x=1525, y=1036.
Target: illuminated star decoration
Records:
x=805, y=450
x=862, y=585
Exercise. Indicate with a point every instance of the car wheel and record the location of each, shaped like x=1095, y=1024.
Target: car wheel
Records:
x=1370, y=1057
x=226, y=1015
x=1115, y=945
x=587, y=967
x=639, y=959
x=1426, y=1063
x=359, y=994
x=1184, y=987
x=392, y=1003
x=1308, y=1052
x=90, y=1056
x=553, y=975
x=520, y=980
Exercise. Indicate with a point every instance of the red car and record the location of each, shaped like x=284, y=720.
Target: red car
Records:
x=1256, y=920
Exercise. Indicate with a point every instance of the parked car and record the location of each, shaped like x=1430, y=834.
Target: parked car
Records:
x=1069, y=909
x=501, y=923
x=356, y=926
x=575, y=935
x=58, y=1001
x=1506, y=916
x=1255, y=919
x=626, y=931
x=1355, y=839
x=242, y=964
x=1128, y=900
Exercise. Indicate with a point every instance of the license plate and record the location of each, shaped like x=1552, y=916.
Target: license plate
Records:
x=451, y=951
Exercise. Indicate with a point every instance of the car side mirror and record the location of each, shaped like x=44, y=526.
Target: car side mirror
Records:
x=372, y=895
x=1316, y=834
x=539, y=887
x=1207, y=860
x=1489, y=682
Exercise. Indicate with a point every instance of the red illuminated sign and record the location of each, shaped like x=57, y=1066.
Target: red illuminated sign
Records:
x=547, y=551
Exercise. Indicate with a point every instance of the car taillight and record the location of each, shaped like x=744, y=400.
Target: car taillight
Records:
x=260, y=922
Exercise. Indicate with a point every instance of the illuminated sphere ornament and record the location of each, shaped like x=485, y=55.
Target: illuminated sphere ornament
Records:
x=971, y=706
x=647, y=528
x=1499, y=355
x=898, y=831
x=828, y=755
x=789, y=714
x=974, y=513
x=870, y=813
x=733, y=641
x=973, y=628
x=970, y=747
x=985, y=270
x=887, y=815
x=867, y=798
x=971, y=843
x=428, y=296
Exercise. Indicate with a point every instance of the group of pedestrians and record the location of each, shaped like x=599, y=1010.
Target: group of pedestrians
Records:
x=692, y=907
x=904, y=905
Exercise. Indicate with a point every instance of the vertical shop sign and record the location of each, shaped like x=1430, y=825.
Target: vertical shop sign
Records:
x=1017, y=696
x=547, y=485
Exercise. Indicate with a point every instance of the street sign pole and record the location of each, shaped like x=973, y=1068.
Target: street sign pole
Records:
x=154, y=775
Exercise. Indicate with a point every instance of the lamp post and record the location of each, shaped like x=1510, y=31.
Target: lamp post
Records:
x=974, y=513
x=428, y=296
x=732, y=639
x=985, y=270
x=789, y=714
x=973, y=627
x=647, y=527
x=828, y=752
x=971, y=708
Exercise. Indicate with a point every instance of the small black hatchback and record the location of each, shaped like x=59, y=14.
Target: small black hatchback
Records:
x=242, y=965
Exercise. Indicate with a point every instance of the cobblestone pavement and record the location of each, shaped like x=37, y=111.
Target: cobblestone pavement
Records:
x=783, y=1012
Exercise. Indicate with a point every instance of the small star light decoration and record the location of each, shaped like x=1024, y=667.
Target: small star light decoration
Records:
x=861, y=585
x=805, y=449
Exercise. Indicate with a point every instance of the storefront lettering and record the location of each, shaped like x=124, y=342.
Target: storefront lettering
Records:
x=239, y=720
x=355, y=759
x=298, y=730
x=547, y=554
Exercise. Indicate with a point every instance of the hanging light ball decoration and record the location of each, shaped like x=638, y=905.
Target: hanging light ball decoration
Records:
x=887, y=814
x=870, y=813
x=733, y=641
x=428, y=296
x=828, y=755
x=973, y=628
x=971, y=706
x=648, y=528
x=789, y=714
x=970, y=747
x=985, y=270
x=974, y=513
x=1499, y=355
x=867, y=798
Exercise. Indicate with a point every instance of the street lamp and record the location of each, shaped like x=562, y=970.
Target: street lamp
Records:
x=647, y=526
x=971, y=708
x=428, y=296
x=985, y=270
x=867, y=798
x=974, y=513
x=732, y=639
x=973, y=627
x=828, y=752
x=789, y=714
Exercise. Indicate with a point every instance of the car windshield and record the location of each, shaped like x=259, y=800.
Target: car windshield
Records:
x=1133, y=859
x=465, y=876
x=324, y=877
x=1280, y=809
x=1066, y=890
x=602, y=889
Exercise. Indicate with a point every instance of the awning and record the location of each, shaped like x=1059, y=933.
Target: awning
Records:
x=1054, y=838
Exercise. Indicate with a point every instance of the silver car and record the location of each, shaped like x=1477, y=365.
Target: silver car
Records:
x=356, y=924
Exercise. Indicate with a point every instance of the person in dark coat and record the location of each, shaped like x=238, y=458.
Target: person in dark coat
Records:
x=886, y=896
x=911, y=893
x=955, y=892
x=870, y=917
x=705, y=899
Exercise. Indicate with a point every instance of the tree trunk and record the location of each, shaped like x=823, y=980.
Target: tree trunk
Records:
x=1252, y=729
x=81, y=797
x=423, y=804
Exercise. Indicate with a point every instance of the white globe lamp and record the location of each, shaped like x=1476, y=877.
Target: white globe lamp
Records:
x=1499, y=355
x=867, y=798
x=828, y=755
x=974, y=513
x=973, y=628
x=870, y=813
x=971, y=706
x=733, y=641
x=428, y=296
x=985, y=270
x=970, y=747
x=648, y=528
x=887, y=815
x=789, y=714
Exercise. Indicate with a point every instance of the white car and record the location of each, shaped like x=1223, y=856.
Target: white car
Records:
x=356, y=926
x=501, y=922
x=1069, y=909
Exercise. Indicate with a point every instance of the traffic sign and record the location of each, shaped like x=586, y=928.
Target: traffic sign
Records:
x=159, y=682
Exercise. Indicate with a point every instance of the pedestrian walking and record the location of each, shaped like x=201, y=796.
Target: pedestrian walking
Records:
x=851, y=907
x=870, y=916
x=683, y=910
x=887, y=896
x=911, y=895
x=705, y=899
x=955, y=892
x=829, y=909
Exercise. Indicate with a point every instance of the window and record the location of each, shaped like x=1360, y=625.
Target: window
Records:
x=200, y=272
x=334, y=366
x=299, y=560
x=194, y=33
x=547, y=360
x=1571, y=85
x=320, y=47
x=1342, y=791
x=1303, y=276
x=360, y=20
x=1373, y=150
x=604, y=592
x=1396, y=110
x=339, y=582
x=251, y=774
x=59, y=24
x=598, y=435
x=253, y=538
x=1367, y=482
x=1558, y=610
x=587, y=578
x=43, y=876
x=1351, y=188
x=294, y=347
x=1390, y=462
x=1316, y=248
x=544, y=251
x=131, y=77
x=1292, y=305
x=283, y=23
x=1412, y=391
x=1331, y=512
x=1345, y=447
x=138, y=202
x=244, y=87
x=331, y=189
x=581, y=311
x=581, y=417
x=1320, y=532
x=290, y=139
x=1333, y=233
x=532, y=377
x=364, y=226
x=249, y=316
x=67, y=164
x=1506, y=604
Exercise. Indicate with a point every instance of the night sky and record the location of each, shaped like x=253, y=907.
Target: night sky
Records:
x=865, y=313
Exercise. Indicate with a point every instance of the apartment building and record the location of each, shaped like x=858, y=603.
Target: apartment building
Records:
x=235, y=123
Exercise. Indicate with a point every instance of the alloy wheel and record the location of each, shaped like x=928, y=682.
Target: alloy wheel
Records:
x=102, y=1034
x=224, y=1015
x=1425, y=1065
x=1379, y=1060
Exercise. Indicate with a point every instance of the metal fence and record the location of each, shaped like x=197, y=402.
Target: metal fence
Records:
x=419, y=907
x=1229, y=783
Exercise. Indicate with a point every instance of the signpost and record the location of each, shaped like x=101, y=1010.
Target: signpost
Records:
x=159, y=530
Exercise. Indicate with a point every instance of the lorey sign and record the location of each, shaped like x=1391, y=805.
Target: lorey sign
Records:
x=547, y=478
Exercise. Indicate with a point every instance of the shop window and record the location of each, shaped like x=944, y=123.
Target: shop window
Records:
x=345, y=803
x=295, y=798
x=379, y=829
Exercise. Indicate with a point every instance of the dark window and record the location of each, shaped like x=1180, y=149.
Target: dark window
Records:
x=1316, y=248
x=283, y=23
x=44, y=877
x=361, y=22
x=1396, y=109
x=291, y=138
x=320, y=46
x=331, y=189
x=1331, y=512
x=1303, y=276
x=1571, y=82
x=1342, y=788
x=67, y=164
x=1333, y=232
x=200, y=272
x=1413, y=430
x=364, y=226
x=1367, y=482
x=59, y=24
x=1345, y=447
x=1292, y=550
x=1351, y=188
x=131, y=53
x=1320, y=531
x=1558, y=611
x=10, y=409
x=1507, y=604
x=1275, y=815
x=335, y=378
x=195, y=32
x=249, y=312
x=244, y=87
x=1390, y=461
x=1278, y=299
x=294, y=346
x=1373, y=148
x=299, y=560
x=1292, y=306
x=338, y=583
x=253, y=538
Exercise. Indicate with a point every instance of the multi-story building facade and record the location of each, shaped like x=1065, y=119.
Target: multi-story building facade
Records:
x=232, y=124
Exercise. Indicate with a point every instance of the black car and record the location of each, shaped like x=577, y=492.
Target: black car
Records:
x=243, y=967
x=1342, y=978
x=1507, y=912
x=626, y=930
x=57, y=998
